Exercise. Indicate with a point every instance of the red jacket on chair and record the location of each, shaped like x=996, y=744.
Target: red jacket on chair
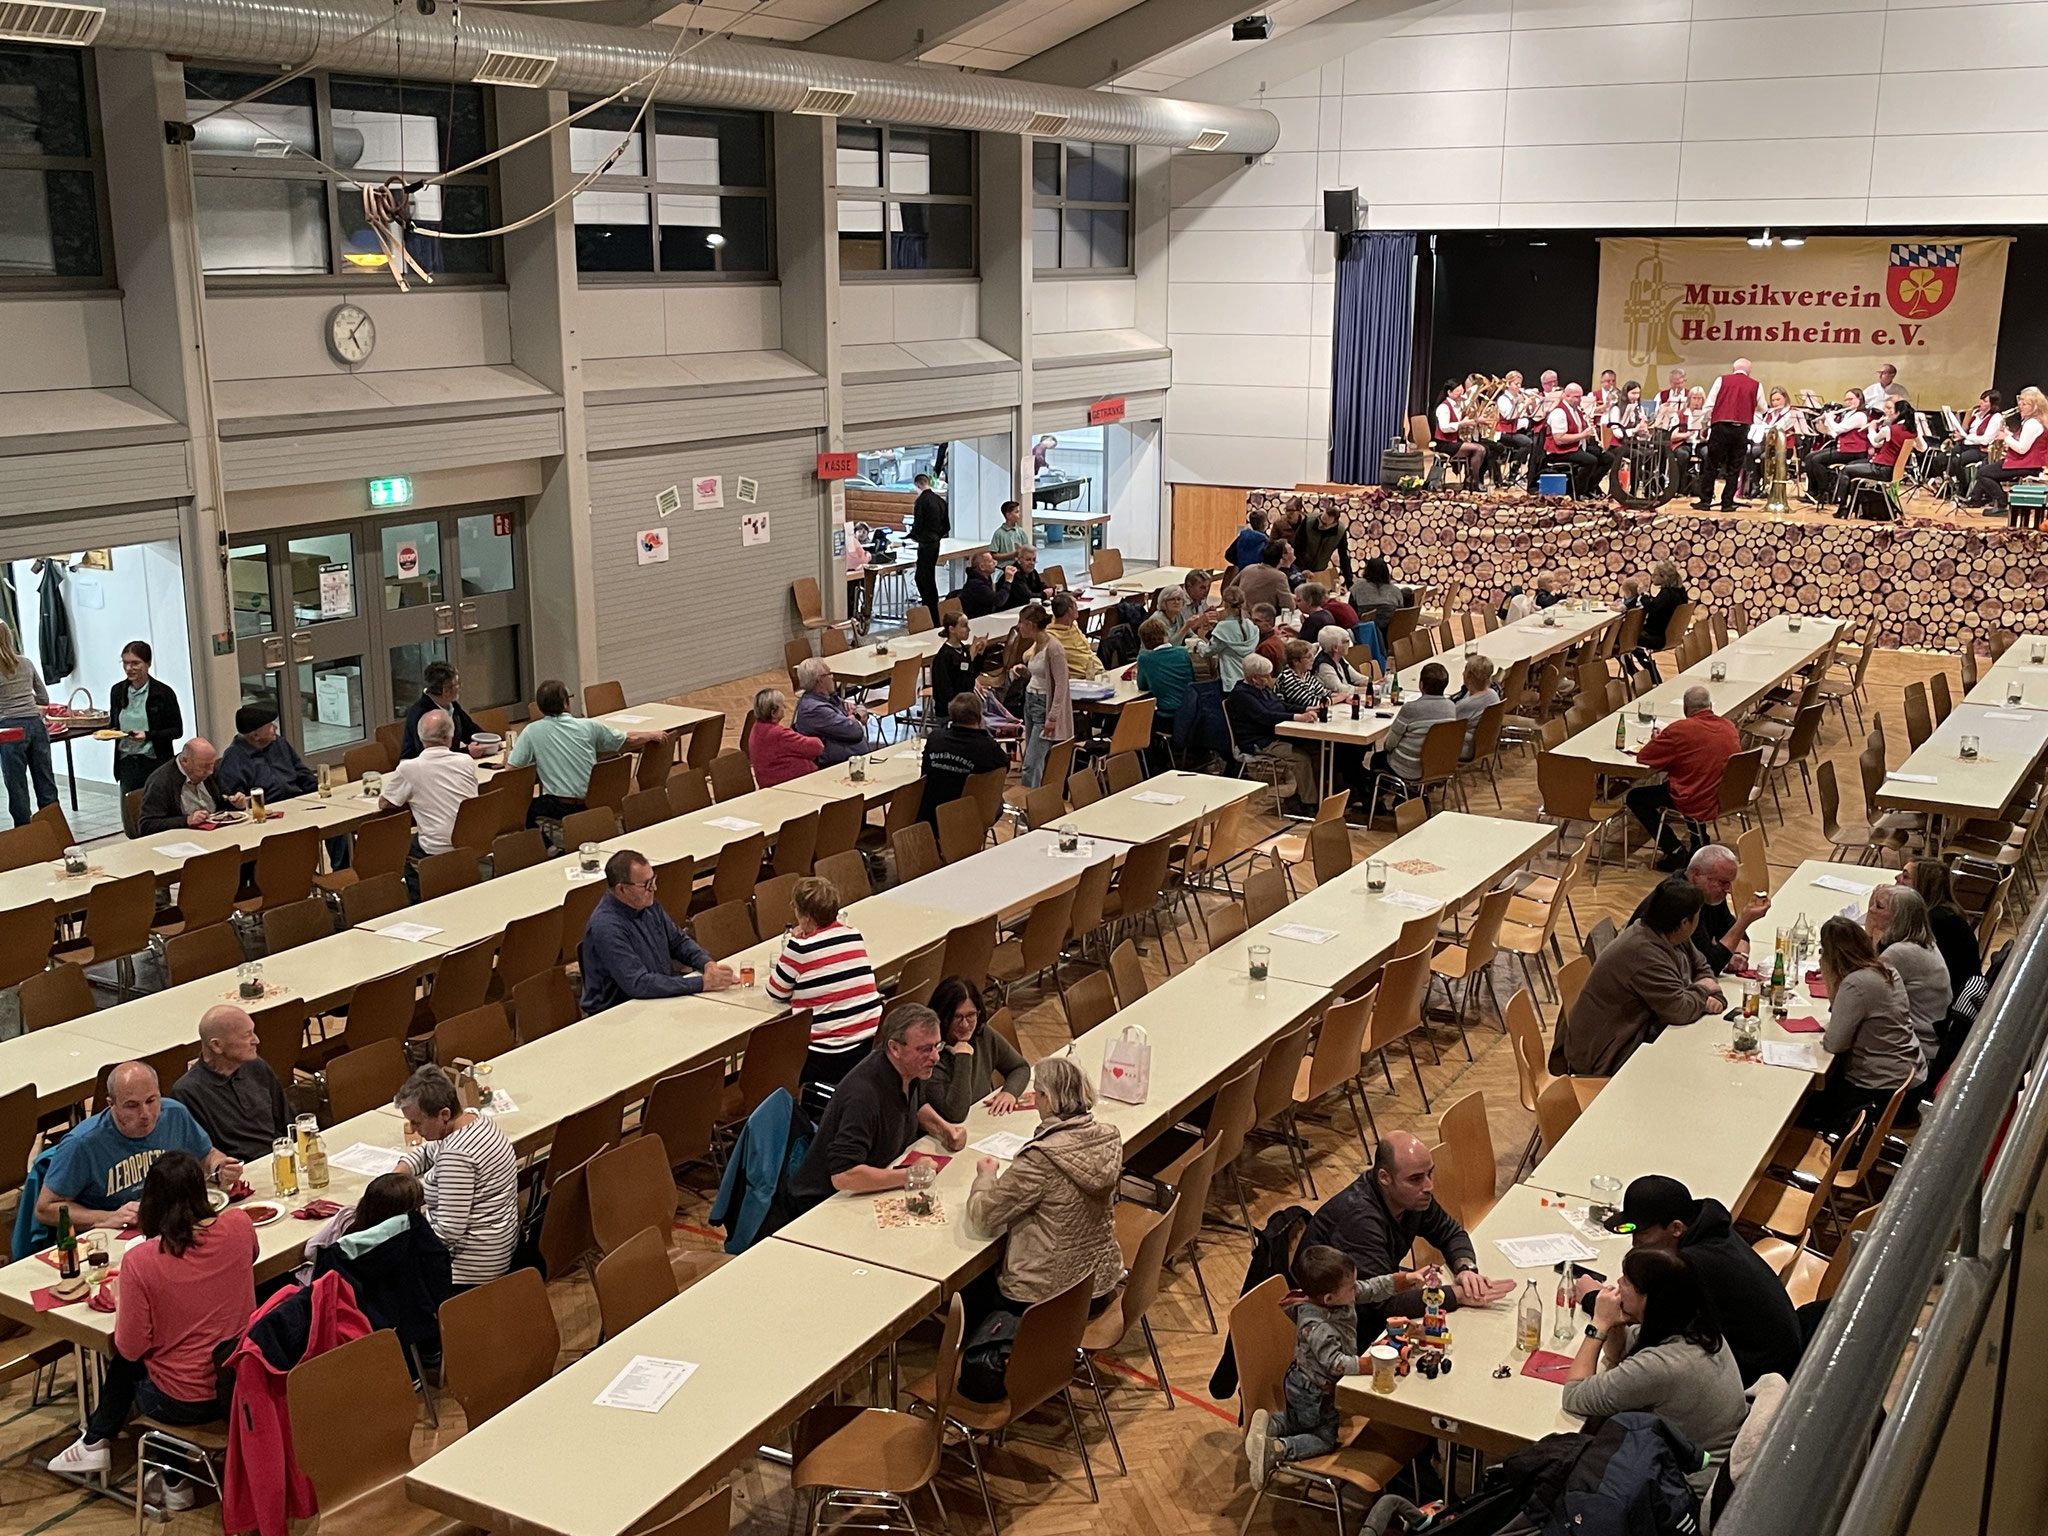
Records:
x=263, y=1489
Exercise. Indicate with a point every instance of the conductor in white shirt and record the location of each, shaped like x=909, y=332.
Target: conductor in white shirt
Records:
x=1886, y=388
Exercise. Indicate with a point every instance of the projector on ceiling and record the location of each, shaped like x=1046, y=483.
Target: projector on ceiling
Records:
x=1251, y=29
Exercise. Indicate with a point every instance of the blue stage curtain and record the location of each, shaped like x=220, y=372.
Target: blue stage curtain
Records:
x=1369, y=383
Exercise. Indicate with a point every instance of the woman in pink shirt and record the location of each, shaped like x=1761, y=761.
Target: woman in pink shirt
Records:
x=188, y=1288
x=778, y=753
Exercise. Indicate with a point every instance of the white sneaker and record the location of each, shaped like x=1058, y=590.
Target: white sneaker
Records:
x=81, y=1457
x=169, y=1499
x=1258, y=1446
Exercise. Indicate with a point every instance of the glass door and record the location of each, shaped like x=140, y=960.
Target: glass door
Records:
x=303, y=634
x=454, y=591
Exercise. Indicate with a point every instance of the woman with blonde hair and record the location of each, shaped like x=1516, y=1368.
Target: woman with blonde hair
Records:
x=1232, y=638
x=2026, y=454
x=26, y=761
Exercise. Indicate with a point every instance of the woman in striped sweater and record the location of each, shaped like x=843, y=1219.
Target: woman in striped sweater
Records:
x=824, y=967
x=470, y=1173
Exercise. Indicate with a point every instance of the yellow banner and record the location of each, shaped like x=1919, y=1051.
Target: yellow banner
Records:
x=1821, y=316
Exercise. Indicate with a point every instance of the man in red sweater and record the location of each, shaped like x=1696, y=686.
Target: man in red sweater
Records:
x=1693, y=752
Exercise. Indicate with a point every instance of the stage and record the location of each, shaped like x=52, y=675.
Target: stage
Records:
x=1941, y=583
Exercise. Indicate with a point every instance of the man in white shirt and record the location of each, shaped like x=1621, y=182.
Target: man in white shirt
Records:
x=434, y=784
x=1886, y=388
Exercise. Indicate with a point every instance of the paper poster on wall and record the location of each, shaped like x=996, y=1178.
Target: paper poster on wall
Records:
x=87, y=594
x=670, y=500
x=407, y=559
x=753, y=529
x=748, y=491
x=337, y=592
x=838, y=543
x=652, y=544
x=707, y=493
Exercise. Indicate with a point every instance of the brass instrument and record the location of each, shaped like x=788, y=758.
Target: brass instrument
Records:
x=1774, y=469
x=1479, y=415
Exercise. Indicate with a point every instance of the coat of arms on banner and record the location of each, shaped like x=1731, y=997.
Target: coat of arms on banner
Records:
x=1922, y=278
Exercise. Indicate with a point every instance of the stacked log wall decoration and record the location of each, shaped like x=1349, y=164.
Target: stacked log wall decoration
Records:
x=1907, y=583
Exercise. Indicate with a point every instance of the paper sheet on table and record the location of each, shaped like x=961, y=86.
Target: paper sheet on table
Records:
x=575, y=871
x=2003, y=714
x=1150, y=797
x=1003, y=1144
x=1411, y=900
x=733, y=824
x=1912, y=778
x=1801, y=1056
x=1302, y=933
x=1084, y=849
x=179, y=850
x=1580, y=1219
x=646, y=1384
x=1846, y=887
x=365, y=1159
x=411, y=932
x=629, y=719
x=1545, y=1252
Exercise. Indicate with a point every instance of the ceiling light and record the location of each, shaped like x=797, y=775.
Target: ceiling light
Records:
x=1762, y=241
x=1791, y=242
x=715, y=240
x=1251, y=29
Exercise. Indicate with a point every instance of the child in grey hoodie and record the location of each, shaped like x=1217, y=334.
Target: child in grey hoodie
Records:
x=1325, y=1350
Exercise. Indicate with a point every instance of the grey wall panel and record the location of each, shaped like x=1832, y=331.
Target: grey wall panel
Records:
x=643, y=423
x=24, y=538
x=103, y=477
x=1096, y=381
x=916, y=399
x=1072, y=415
x=347, y=453
x=912, y=430
x=715, y=610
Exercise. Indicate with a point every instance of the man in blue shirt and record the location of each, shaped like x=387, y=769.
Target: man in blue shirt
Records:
x=1249, y=547
x=98, y=1169
x=631, y=945
x=259, y=758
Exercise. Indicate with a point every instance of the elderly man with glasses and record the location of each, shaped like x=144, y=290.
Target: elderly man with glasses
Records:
x=821, y=713
x=632, y=947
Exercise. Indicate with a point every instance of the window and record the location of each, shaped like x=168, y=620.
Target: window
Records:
x=278, y=181
x=700, y=209
x=1081, y=218
x=51, y=214
x=906, y=200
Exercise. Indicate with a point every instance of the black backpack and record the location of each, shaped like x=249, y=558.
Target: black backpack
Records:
x=1622, y=1476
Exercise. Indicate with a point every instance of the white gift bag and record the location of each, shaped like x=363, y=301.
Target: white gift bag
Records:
x=1127, y=1066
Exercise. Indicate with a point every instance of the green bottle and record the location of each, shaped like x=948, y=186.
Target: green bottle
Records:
x=67, y=1245
x=1620, y=733
x=1778, y=982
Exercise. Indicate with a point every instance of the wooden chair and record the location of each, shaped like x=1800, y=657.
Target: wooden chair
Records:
x=921, y=974
x=25, y=940
x=1811, y=1276
x=849, y=1459
x=499, y=1341
x=732, y=775
x=368, y=900
x=55, y=996
x=514, y=851
x=352, y=1412
x=1397, y=1010
x=1040, y=1370
x=1142, y=1235
x=1262, y=1341
x=1035, y=954
x=774, y=905
x=681, y=1110
x=848, y=874
x=1790, y=1210
x=380, y=1009
x=773, y=1058
x=581, y=1137
x=839, y=826
x=117, y=918
x=285, y=863
x=1472, y=961
x=631, y=1280
x=207, y=886
x=514, y=789
x=1088, y=1002
x=299, y=923
x=725, y=930
x=1336, y=1062
x=970, y=949
x=1192, y=1180
x=1128, y=974
x=370, y=757
x=631, y=1190
x=961, y=830
x=545, y=1003
x=687, y=789
x=598, y=824
x=462, y=980
x=603, y=699
x=737, y=868
x=203, y=953
x=1464, y=1130
x=915, y=852
x=482, y=1034
x=362, y=1080
x=796, y=845
x=478, y=821
x=578, y=903
x=441, y=874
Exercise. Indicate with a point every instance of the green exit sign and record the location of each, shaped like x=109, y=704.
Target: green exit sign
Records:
x=395, y=491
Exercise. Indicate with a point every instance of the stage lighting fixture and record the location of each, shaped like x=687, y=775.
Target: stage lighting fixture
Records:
x=1251, y=29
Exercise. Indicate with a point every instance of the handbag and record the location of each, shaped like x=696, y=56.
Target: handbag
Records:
x=985, y=1358
x=1127, y=1066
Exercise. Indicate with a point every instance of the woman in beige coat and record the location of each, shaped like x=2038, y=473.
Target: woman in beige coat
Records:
x=1057, y=1201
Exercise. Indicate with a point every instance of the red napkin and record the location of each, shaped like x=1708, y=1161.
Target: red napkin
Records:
x=242, y=1189
x=1815, y=985
x=100, y=1301
x=317, y=1210
x=937, y=1161
x=1545, y=1366
x=1801, y=1026
x=46, y=1301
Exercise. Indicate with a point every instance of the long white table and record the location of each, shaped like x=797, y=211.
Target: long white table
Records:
x=1160, y=806
x=2010, y=744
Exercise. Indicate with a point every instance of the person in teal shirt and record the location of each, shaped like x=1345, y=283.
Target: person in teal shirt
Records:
x=1165, y=671
x=564, y=749
x=1013, y=534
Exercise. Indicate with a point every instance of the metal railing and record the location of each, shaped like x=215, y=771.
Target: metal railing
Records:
x=1818, y=1471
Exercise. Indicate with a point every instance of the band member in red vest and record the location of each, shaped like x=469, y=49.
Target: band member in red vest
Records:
x=1571, y=438
x=1892, y=437
x=2026, y=455
x=1514, y=446
x=1731, y=411
x=1956, y=458
x=1777, y=413
x=1470, y=454
x=1848, y=427
x=1548, y=394
x=1604, y=396
x=1674, y=392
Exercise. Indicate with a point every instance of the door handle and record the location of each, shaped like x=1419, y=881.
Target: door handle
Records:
x=273, y=653
x=444, y=620
x=469, y=616
x=302, y=647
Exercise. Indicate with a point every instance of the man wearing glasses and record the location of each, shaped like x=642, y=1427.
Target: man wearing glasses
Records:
x=633, y=948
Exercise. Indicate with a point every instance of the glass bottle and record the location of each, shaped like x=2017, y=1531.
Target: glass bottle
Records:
x=1561, y=1329
x=1778, y=982
x=313, y=1155
x=1529, y=1320
x=67, y=1245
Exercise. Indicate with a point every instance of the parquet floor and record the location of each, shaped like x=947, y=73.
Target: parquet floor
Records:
x=1186, y=1464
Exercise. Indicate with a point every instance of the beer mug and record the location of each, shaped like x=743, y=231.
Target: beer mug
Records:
x=284, y=1166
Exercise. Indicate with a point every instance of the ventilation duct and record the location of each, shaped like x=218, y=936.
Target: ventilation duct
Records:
x=369, y=36
x=43, y=21
x=502, y=67
x=1047, y=125
x=820, y=101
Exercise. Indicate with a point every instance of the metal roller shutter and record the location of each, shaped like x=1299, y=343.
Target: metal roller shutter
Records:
x=314, y=458
x=24, y=538
x=99, y=477
x=643, y=423
x=933, y=398
x=929, y=429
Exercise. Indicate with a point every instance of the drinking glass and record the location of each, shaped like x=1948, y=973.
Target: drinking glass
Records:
x=1384, y=1360
x=249, y=979
x=1646, y=712
x=1259, y=959
x=857, y=769
x=1375, y=874
x=1070, y=837
x=1969, y=748
x=74, y=861
x=2038, y=652
x=589, y=858
x=1606, y=1196
x=1793, y=621
x=284, y=1166
x=2015, y=693
x=1718, y=672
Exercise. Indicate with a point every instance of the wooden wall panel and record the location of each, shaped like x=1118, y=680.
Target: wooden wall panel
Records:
x=1205, y=519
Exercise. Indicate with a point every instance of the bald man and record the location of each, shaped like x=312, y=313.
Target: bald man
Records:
x=231, y=1090
x=1734, y=405
x=1376, y=1218
x=185, y=792
x=98, y=1169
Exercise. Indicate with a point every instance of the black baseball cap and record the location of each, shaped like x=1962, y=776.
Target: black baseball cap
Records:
x=253, y=717
x=1655, y=1200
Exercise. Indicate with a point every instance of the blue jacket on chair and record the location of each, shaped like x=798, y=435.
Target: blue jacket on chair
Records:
x=753, y=1196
